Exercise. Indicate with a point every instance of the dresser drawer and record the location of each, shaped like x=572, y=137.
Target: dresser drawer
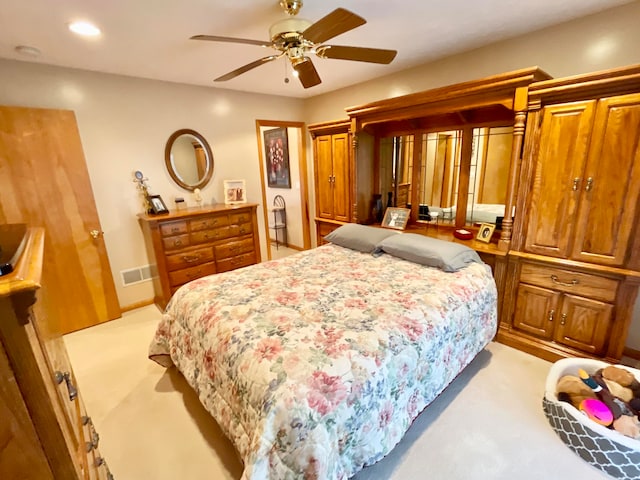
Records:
x=189, y=258
x=231, y=249
x=241, y=229
x=238, y=218
x=173, y=228
x=179, y=241
x=232, y=263
x=185, y=275
x=206, y=236
x=577, y=283
x=206, y=223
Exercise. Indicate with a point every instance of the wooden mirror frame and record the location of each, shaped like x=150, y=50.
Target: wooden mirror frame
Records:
x=170, y=168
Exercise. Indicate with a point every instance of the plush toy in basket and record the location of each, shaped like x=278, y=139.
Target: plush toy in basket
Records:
x=594, y=408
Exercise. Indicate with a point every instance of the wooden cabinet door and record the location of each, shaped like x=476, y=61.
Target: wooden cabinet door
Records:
x=559, y=165
x=45, y=183
x=584, y=324
x=610, y=196
x=324, y=175
x=341, y=180
x=536, y=310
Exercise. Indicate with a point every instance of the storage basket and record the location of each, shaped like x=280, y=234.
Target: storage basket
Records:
x=608, y=450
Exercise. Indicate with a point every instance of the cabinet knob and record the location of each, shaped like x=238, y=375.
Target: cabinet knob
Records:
x=96, y=234
x=589, y=184
x=551, y=314
x=66, y=377
x=564, y=319
x=576, y=183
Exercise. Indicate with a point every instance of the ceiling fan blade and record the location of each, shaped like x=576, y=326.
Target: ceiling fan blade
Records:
x=359, y=54
x=246, y=68
x=307, y=73
x=332, y=25
x=213, y=38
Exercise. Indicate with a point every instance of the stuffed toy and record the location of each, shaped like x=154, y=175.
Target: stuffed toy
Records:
x=616, y=387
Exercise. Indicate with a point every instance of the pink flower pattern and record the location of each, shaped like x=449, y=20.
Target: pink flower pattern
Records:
x=312, y=350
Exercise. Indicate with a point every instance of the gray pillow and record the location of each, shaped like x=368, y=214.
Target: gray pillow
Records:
x=448, y=256
x=358, y=237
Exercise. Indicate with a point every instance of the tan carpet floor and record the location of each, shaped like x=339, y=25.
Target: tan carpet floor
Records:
x=488, y=424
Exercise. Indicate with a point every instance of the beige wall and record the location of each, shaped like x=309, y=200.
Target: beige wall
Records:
x=124, y=124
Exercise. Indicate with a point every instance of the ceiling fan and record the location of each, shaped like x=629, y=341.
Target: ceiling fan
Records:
x=296, y=38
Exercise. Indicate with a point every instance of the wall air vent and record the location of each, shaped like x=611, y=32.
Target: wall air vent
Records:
x=138, y=274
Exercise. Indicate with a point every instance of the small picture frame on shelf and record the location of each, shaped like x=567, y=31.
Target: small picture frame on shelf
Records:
x=396, y=218
x=157, y=205
x=485, y=231
x=235, y=192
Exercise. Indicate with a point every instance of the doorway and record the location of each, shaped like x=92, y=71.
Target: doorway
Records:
x=283, y=173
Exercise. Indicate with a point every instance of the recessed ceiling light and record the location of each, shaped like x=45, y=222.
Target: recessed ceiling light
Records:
x=85, y=29
x=27, y=51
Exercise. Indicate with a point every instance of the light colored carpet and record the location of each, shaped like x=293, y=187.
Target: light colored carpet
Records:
x=488, y=424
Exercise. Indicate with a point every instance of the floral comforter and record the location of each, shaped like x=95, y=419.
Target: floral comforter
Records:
x=315, y=365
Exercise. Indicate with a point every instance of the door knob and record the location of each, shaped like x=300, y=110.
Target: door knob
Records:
x=96, y=233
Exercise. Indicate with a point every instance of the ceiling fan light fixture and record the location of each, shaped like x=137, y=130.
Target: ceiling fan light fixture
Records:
x=288, y=25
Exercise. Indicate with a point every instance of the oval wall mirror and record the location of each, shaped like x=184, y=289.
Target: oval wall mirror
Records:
x=188, y=158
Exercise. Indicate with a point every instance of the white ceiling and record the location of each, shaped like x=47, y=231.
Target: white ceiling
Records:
x=150, y=38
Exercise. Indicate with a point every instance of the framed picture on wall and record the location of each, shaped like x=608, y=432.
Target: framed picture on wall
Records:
x=276, y=149
x=235, y=192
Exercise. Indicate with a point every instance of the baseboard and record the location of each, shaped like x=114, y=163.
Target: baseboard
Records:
x=631, y=353
x=133, y=306
x=292, y=247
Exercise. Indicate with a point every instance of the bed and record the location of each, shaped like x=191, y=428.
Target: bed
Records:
x=315, y=365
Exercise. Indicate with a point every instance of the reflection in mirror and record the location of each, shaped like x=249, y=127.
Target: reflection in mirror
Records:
x=188, y=159
x=439, y=176
x=396, y=166
x=488, y=176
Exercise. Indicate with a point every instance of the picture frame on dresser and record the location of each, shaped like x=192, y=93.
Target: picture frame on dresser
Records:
x=235, y=192
x=396, y=218
x=158, y=206
x=485, y=232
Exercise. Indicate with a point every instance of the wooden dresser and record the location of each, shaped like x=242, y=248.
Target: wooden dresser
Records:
x=45, y=432
x=196, y=242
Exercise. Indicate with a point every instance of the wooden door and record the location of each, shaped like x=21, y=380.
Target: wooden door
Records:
x=45, y=183
x=536, y=310
x=341, y=179
x=611, y=183
x=324, y=174
x=584, y=324
x=559, y=164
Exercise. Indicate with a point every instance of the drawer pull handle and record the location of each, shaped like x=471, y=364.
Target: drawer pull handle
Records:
x=564, y=319
x=555, y=280
x=66, y=377
x=95, y=439
x=99, y=462
x=191, y=259
x=175, y=229
x=551, y=314
x=86, y=420
x=242, y=230
x=177, y=243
